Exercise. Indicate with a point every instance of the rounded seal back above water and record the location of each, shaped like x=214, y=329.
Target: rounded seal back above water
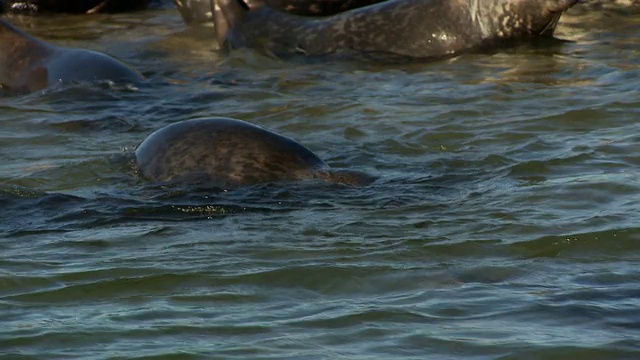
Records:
x=229, y=153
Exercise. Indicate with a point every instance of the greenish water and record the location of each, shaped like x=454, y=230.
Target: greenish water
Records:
x=503, y=225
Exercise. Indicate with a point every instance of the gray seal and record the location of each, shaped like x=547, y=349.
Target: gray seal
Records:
x=413, y=28
x=230, y=153
x=28, y=64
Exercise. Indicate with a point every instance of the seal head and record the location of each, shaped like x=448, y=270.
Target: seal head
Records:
x=513, y=19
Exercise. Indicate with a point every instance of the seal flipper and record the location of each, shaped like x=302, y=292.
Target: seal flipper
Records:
x=226, y=14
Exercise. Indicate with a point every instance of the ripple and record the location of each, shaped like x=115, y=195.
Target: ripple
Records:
x=503, y=223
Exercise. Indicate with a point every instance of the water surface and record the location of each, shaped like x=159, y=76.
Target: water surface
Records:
x=503, y=224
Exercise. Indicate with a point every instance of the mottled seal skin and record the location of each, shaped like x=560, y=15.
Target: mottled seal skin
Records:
x=230, y=153
x=28, y=64
x=201, y=11
x=72, y=6
x=413, y=28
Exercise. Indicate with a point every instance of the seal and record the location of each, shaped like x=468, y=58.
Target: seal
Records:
x=411, y=28
x=229, y=153
x=72, y=6
x=28, y=64
x=195, y=12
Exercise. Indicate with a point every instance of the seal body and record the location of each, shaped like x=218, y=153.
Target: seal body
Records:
x=414, y=28
x=29, y=64
x=228, y=153
x=71, y=6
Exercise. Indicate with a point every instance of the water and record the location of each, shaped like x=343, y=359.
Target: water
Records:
x=503, y=224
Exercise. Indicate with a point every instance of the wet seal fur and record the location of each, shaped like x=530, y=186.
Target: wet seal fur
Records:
x=412, y=28
x=229, y=153
x=28, y=64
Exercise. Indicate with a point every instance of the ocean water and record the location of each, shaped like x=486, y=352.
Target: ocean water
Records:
x=503, y=224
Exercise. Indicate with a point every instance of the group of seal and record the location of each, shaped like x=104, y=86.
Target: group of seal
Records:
x=220, y=152
x=229, y=153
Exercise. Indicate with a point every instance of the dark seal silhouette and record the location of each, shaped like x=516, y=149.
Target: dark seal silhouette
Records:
x=230, y=153
x=413, y=28
x=28, y=64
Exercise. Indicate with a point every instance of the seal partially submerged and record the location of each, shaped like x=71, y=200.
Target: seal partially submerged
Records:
x=413, y=28
x=28, y=64
x=230, y=153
